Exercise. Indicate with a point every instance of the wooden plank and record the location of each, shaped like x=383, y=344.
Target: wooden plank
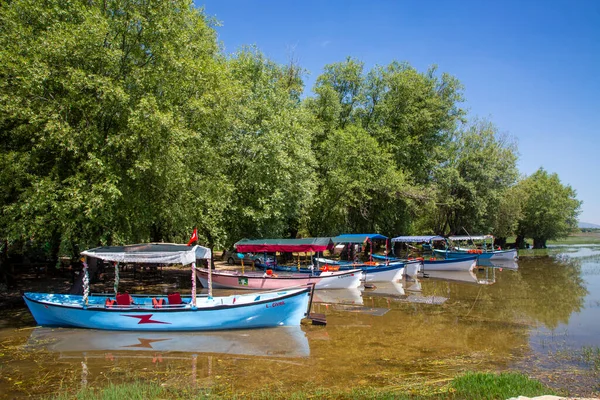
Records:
x=318, y=319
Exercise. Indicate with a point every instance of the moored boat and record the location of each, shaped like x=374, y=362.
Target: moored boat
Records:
x=372, y=271
x=166, y=313
x=510, y=254
x=450, y=264
x=269, y=281
x=485, y=250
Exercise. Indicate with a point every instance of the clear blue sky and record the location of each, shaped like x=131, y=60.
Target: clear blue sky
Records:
x=532, y=67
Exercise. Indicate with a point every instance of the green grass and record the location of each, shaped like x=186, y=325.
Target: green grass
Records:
x=468, y=386
x=131, y=391
x=579, y=238
x=490, y=386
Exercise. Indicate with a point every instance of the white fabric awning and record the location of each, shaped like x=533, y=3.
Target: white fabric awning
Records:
x=479, y=237
x=150, y=253
x=417, y=239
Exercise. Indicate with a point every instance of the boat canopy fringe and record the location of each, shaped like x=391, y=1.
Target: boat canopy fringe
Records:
x=357, y=237
x=284, y=245
x=150, y=253
x=478, y=237
x=416, y=239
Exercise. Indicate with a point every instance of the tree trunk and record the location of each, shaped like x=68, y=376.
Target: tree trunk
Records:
x=77, y=287
x=54, y=249
x=501, y=241
x=539, y=243
x=520, y=242
x=3, y=262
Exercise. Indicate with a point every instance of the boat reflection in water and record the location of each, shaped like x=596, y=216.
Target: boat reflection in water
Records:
x=288, y=341
x=404, y=291
x=338, y=296
x=464, y=276
x=501, y=264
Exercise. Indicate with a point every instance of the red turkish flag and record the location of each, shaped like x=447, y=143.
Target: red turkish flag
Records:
x=194, y=237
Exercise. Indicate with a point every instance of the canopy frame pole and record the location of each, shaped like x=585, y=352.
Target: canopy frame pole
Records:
x=86, y=282
x=387, y=252
x=116, y=286
x=194, y=284
x=210, y=291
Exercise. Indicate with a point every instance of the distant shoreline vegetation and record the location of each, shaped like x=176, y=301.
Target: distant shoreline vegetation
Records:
x=123, y=123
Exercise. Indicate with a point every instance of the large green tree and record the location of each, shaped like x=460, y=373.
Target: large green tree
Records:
x=549, y=209
x=409, y=117
x=268, y=148
x=106, y=111
x=471, y=184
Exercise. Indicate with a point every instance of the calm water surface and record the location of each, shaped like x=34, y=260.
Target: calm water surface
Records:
x=541, y=317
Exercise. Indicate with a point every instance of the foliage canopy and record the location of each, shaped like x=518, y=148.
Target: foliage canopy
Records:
x=124, y=122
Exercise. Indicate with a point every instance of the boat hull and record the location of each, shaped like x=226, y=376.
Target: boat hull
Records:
x=492, y=255
x=254, y=281
x=450, y=264
x=412, y=268
x=371, y=273
x=383, y=273
x=255, y=310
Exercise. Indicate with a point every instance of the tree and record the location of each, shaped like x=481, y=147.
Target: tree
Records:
x=103, y=110
x=550, y=209
x=359, y=189
x=268, y=148
x=471, y=185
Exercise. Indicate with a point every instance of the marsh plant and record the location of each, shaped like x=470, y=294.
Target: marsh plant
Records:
x=591, y=356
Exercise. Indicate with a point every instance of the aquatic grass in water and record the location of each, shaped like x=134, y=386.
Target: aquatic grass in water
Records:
x=133, y=391
x=591, y=356
x=491, y=386
x=470, y=385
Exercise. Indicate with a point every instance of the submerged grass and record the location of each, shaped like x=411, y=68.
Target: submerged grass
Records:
x=591, y=356
x=470, y=385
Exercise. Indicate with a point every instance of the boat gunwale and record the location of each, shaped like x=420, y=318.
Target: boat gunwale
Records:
x=185, y=308
x=336, y=274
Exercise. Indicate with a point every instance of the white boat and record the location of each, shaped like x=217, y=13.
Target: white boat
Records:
x=273, y=281
x=449, y=264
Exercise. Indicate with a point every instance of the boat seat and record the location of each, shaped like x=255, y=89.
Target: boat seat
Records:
x=157, y=303
x=174, y=298
x=124, y=299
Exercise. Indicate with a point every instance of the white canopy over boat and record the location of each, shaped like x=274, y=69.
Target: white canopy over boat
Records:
x=159, y=253
x=478, y=237
x=416, y=239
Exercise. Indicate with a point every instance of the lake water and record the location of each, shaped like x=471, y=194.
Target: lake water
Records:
x=541, y=317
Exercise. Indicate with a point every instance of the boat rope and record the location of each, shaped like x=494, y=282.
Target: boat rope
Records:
x=475, y=302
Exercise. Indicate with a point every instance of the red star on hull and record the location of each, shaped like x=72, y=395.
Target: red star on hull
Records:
x=145, y=319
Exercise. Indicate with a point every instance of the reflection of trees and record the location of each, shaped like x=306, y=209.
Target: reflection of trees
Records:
x=544, y=290
x=554, y=289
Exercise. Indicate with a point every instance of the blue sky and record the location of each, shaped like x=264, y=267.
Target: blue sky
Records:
x=530, y=66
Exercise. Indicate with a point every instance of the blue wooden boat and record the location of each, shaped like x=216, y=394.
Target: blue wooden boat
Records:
x=279, y=308
x=167, y=313
x=510, y=254
x=487, y=251
x=372, y=272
